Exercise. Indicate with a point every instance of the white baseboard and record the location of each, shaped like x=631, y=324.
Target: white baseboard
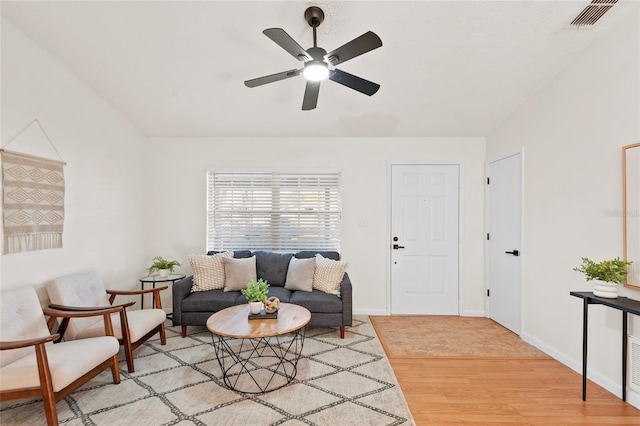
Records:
x=383, y=312
x=378, y=312
x=633, y=398
x=473, y=314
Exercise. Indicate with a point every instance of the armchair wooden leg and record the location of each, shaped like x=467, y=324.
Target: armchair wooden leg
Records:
x=184, y=331
x=128, y=353
x=48, y=396
x=342, y=332
x=115, y=370
x=163, y=336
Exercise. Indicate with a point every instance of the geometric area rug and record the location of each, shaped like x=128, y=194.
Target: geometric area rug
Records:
x=339, y=382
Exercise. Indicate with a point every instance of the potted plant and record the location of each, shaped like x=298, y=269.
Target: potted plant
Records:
x=606, y=275
x=163, y=266
x=256, y=293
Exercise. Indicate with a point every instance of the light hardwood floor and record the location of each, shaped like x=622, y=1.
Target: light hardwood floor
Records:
x=499, y=391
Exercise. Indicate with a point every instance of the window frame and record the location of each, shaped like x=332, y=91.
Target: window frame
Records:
x=277, y=217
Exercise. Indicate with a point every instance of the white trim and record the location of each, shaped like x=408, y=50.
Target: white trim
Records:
x=481, y=313
x=376, y=312
x=460, y=165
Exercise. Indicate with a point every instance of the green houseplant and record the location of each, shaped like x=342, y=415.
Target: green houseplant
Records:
x=163, y=266
x=256, y=293
x=606, y=275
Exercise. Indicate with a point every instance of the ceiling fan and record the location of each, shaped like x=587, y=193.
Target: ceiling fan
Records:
x=317, y=60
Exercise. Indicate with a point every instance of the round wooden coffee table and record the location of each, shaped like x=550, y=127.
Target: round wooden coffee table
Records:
x=258, y=355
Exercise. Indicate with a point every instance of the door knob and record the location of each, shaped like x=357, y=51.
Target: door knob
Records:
x=396, y=247
x=515, y=252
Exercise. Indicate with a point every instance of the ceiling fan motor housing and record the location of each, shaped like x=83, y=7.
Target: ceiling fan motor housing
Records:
x=314, y=16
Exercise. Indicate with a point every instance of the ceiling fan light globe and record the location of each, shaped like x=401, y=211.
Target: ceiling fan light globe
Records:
x=316, y=71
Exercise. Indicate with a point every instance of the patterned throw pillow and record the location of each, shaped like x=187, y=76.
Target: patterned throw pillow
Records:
x=208, y=271
x=328, y=274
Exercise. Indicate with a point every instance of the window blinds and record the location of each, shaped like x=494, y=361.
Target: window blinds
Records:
x=273, y=211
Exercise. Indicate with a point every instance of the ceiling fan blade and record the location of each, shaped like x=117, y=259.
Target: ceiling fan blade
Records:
x=285, y=41
x=311, y=95
x=271, y=78
x=356, y=83
x=356, y=47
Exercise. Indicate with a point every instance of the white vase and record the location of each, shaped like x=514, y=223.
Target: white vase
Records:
x=255, y=307
x=164, y=273
x=605, y=289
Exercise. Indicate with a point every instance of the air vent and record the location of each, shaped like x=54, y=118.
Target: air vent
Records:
x=593, y=12
x=634, y=349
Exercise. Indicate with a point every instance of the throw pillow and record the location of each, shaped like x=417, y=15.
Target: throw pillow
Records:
x=328, y=274
x=208, y=271
x=300, y=274
x=238, y=273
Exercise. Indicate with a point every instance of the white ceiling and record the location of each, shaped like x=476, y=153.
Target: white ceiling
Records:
x=446, y=68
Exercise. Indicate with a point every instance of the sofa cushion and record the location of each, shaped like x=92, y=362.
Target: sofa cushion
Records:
x=208, y=271
x=272, y=267
x=328, y=274
x=238, y=273
x=333, y=255
x=300, y=274
x=317, y=301
x=281, y=293
x=209, y=301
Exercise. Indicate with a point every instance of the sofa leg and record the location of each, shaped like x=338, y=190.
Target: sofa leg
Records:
x=342, y=332
x=184, y=331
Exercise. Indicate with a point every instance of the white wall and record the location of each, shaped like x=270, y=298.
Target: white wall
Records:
x=105, y=198
x=179, y=178
x=573, y=131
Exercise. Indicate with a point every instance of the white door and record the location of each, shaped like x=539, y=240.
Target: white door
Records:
x=504, y=233
x=424, y=234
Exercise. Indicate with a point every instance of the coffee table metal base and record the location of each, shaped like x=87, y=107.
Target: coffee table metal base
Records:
x=259, y=365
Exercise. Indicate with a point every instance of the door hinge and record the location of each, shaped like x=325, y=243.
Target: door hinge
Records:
x=487, y=181
x=488, y=293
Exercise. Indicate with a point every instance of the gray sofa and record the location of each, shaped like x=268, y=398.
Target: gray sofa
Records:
x=327, y=310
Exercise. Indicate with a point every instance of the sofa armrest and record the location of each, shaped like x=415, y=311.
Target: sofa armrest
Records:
x=346, y=292
x=181, y=289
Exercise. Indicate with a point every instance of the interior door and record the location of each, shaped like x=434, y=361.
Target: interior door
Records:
x=424, y=234
x=504, y=257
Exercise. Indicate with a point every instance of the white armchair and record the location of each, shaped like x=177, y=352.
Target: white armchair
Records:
x=32, y=366
x=84, y=290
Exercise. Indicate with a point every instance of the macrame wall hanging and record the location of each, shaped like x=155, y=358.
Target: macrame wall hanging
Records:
x=32, y=199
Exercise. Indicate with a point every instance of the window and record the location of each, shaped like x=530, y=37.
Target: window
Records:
x=273, y=211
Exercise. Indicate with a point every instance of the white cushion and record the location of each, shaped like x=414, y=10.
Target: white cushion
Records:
x=328, y=274
x=68, y=361
x=83, y=289
x=140, y=323
x=300, y=274
x=208, y=271
x=21, y=318
x=239, y=272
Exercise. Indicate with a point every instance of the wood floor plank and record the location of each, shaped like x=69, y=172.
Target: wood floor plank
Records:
x=497, y=390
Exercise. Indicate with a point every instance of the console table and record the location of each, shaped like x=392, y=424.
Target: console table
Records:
x=623, y=304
